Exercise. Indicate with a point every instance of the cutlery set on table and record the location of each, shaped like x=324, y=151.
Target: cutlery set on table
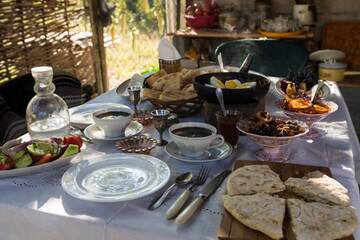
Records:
x=181, y=212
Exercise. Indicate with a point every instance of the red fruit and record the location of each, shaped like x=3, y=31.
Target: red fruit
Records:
x=75, y=139
x=207, y=7
x=6, y=162
x=44, y=159
x=199, y=11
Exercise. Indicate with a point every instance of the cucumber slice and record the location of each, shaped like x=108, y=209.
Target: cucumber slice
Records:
x=3, y=158
x=19, y=154
x=39, y=148
x=56, y=152
x=70, y=150
x=24, y=161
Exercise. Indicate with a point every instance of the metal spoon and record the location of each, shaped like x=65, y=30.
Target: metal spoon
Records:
x=245, y=65
x=180, y=180
x=221, y=63
x=220, y=97
x=82, y=135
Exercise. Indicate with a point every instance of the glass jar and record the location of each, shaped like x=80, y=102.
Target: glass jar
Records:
x=226, y=125
x=47, y=114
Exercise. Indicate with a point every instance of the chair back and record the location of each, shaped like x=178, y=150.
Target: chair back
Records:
x=270, y=57
x=19, y=91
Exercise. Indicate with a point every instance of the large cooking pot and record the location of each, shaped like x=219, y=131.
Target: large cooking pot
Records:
x=232, y=96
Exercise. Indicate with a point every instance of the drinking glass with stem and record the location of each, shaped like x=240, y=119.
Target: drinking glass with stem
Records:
x=160, y=117
x=135, y=92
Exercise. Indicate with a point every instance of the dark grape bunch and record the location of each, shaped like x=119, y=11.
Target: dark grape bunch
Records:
x=306, y=76
x=299, y=82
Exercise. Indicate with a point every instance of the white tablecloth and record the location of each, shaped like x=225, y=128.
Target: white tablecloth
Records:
x=36, y=207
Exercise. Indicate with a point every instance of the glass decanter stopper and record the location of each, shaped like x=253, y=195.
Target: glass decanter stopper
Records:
x=47, y=114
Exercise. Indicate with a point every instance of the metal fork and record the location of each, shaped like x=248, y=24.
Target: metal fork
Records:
x=175, y=208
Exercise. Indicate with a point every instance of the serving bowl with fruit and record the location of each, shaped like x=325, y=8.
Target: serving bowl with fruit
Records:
x=201, y=15
x=301, y=83
x=272, y=133
x=23, y=158
x=303, y=110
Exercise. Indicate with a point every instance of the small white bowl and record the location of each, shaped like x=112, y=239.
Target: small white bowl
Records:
x=113, y=127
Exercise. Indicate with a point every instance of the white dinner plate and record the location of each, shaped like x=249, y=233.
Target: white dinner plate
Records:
x=81, y=116
x=94, y=132
x=115, y=177
x=210, y=155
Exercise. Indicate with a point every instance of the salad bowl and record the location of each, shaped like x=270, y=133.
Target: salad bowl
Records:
x=20, y=153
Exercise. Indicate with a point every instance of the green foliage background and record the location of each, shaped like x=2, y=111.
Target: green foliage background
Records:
x=139, y=16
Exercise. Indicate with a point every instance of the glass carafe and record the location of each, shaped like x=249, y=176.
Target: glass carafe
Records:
x=47, y=114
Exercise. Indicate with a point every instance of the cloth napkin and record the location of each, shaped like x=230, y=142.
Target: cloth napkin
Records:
x=167, y=51
x=136, y=80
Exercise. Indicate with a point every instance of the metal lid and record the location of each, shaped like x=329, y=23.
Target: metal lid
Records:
x=327, y=54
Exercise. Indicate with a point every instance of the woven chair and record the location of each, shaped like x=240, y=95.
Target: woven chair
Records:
x=271, y=57
x=16, y=94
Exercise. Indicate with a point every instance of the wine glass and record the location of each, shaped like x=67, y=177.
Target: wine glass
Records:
x=134, y=92
x=160, y=117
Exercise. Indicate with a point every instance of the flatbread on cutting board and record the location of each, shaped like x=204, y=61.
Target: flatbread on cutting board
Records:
x=261, y=212
x=319, y=221
x=319, y=187
x=254, y=179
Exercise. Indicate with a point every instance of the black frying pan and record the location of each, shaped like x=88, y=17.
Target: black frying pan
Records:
x=232, y=96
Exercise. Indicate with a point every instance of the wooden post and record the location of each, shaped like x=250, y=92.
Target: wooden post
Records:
x=102, y=84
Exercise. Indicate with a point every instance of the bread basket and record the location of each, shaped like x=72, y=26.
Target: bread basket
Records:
x=182, y=108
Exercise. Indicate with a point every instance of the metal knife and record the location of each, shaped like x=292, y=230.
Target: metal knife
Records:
x=205, y=193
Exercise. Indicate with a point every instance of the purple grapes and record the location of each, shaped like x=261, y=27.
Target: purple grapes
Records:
x=307, y=75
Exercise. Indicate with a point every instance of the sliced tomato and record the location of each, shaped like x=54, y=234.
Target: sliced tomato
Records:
x=73, y=139
x=43, y=159
x=7, y=166
x=6, y=162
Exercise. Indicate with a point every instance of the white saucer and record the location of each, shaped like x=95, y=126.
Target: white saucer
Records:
x=210, y=155
x=94, y=132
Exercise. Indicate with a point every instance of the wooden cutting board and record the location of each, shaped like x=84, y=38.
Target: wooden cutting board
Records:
x=231, y=229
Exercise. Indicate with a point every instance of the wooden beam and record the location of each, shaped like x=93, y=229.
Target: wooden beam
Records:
x=102, y=83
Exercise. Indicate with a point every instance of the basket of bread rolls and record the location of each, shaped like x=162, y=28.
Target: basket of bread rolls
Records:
x=173, y=91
